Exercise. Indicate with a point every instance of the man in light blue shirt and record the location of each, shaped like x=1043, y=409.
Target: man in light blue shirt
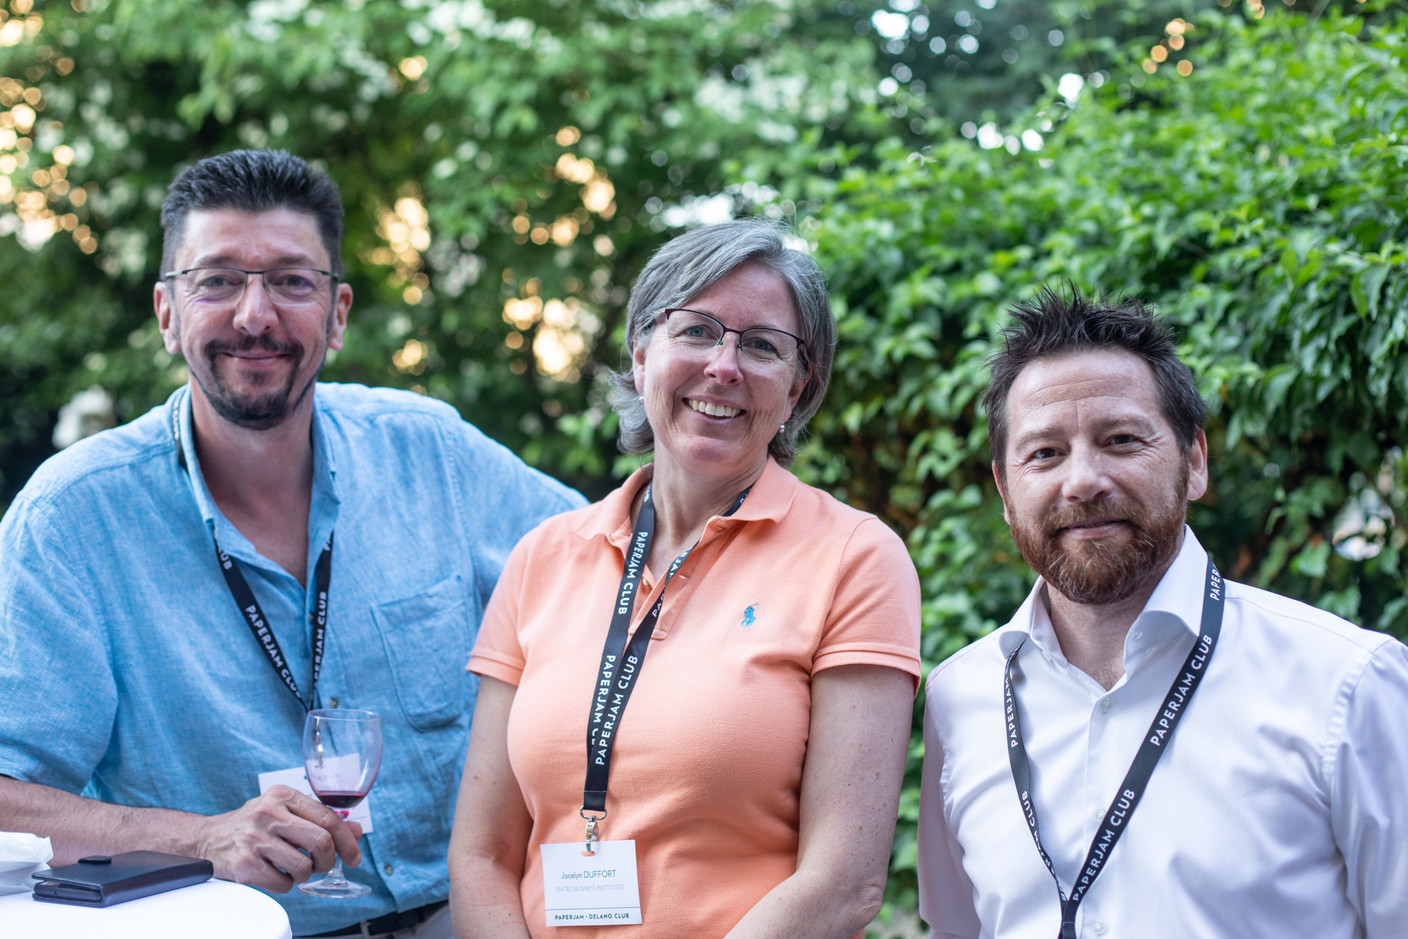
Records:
x=145, y=685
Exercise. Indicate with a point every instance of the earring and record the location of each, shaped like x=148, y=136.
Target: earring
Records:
x=640, y=399
x=782, y=429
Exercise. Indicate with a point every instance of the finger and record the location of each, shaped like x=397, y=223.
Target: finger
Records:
x=285, y=829
x=345, y=838
x=355, y=828
x=312, y=810
x=281, y=793
x=303, y=844
x=249, y=845
x=342, y=834
x=257, y=872
x=296, y=863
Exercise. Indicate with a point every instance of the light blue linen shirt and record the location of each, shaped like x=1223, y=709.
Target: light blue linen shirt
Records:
x=127, y=672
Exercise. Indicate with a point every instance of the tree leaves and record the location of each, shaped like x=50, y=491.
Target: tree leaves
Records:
x=506, y=168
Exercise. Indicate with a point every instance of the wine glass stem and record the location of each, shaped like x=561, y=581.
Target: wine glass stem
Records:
x=334, y=877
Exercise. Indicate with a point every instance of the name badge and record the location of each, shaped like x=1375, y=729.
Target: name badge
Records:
x=297, y=779
x=599, y=889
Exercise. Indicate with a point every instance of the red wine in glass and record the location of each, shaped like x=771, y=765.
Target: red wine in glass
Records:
x=341, y=757
x=342, y=801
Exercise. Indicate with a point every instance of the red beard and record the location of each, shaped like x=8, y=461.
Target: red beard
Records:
x=1107, y=570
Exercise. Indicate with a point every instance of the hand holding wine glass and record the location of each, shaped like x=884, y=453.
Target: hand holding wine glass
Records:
x=341, y=756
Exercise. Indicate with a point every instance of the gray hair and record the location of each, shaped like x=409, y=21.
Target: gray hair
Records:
x=688, y=265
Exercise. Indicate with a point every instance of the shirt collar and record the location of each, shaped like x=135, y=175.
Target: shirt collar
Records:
x=770, y=498
x=1179, y=595
x=184, y=439
x=325, y=501
x=1176, y=602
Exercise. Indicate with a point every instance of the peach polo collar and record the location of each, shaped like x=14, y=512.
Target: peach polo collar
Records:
x=610, y=520
x=770, y=499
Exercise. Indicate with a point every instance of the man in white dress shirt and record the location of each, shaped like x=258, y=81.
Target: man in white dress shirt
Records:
x=1147, y=750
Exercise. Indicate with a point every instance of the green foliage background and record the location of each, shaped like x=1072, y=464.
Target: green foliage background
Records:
x=1259, y=202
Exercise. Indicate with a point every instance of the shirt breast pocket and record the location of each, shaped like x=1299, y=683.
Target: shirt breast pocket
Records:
x=426, y=640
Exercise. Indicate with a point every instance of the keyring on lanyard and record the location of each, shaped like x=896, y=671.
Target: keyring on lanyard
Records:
x=592, y=834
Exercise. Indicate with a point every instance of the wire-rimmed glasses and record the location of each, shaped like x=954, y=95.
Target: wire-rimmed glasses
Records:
x=220, y=286
x=759, y=346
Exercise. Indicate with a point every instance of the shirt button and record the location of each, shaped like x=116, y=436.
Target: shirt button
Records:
x=332, y=702
x=1105, y=705
x=1099, y=928
x=388, y=869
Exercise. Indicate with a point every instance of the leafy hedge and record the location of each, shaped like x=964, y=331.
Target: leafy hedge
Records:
x=1259, y=204
x=506, y=168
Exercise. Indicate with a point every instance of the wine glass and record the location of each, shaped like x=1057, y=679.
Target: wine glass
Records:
x=341, y=756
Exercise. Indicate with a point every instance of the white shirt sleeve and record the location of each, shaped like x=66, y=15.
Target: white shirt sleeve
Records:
x=1369, y=792
x=945, y=892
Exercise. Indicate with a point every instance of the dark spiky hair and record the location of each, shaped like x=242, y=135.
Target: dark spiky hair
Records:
x=1056, y=323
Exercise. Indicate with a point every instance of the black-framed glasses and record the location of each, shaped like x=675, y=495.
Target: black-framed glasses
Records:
x=757, y=345
x=221, y=285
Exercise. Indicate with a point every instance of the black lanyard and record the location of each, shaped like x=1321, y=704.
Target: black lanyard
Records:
x=249, y=605
x=621, y=662
x=1132, y=789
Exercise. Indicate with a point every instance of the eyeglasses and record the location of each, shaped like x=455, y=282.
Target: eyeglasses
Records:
x=757, y=345
x=221, y=285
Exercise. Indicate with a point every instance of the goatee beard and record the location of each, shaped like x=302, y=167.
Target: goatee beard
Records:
x=1105, y=571
x=257, y=411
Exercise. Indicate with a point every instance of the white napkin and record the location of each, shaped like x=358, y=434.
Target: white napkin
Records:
x=21, y=854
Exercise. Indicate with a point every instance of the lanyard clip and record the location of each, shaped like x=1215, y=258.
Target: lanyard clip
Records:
x=593, y=834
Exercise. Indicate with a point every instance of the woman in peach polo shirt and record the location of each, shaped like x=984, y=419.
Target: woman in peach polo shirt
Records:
x=736, y=761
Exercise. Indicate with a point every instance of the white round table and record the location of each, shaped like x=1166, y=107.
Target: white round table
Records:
x=216, y=909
